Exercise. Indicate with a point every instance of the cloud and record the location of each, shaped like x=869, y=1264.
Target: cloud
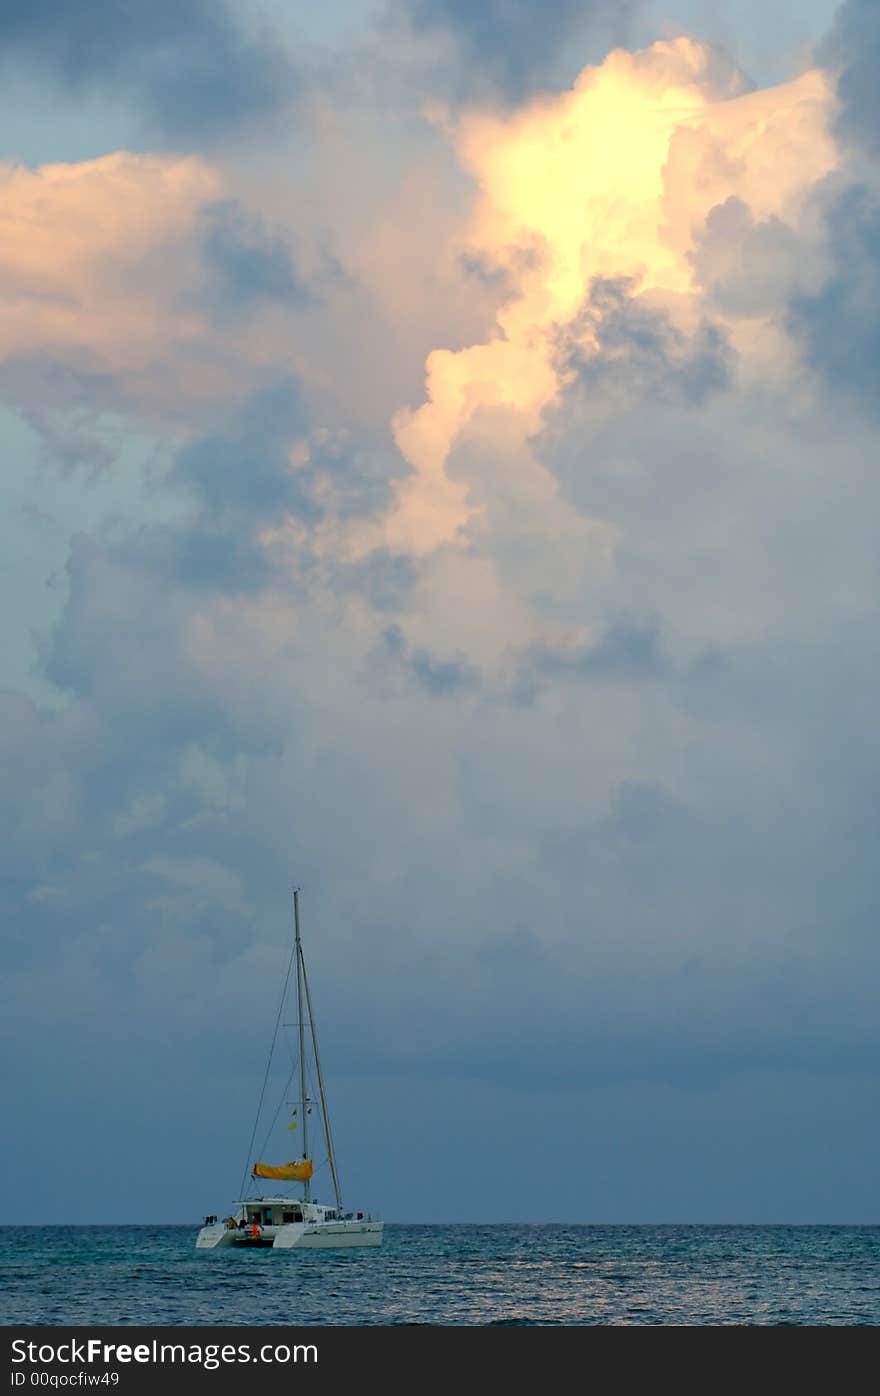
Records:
x=627, y=650
x=268, y=465
x=196, y=73
x=436, y=676
x=747, y=267
x=851, y=50
x=249, y=266
x=89, y=285
x=837, y=319
x=247, y=474
x=558, y=212
x=619, y=332
x=116, y=274
x=515, y=46
x=556, y=691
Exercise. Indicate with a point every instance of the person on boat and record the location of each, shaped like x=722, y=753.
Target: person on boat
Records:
x=230, y=1223
x=255, y=1230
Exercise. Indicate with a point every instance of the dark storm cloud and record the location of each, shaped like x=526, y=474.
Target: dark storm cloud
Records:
x=244, y=477
x=383, y=579
x=247, y=264
x=436, y=676
x=440, y=676
x=641, y=347
x=626, y=650
x=516, y=46
x=839, y=325
x=39, y=381
x=852, y=48
x=204, y=558
x=196, y=73
x=246, y=473
x=120, y=633
x=745, y=266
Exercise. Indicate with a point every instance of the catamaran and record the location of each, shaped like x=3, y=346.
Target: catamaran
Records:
x=293, y=1222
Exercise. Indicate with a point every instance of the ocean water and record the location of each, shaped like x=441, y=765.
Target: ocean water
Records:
x=453, y=1275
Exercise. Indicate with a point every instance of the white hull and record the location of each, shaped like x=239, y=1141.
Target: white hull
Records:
x=302, y=1236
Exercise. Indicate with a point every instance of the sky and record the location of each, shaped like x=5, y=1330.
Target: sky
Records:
x=439, y=471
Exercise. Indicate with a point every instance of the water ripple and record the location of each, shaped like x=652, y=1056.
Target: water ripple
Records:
x=453, y=1275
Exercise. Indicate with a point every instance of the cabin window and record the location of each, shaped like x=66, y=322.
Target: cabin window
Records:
x=287, y=1217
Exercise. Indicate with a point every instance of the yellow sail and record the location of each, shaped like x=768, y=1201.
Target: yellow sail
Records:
x=297, y=1171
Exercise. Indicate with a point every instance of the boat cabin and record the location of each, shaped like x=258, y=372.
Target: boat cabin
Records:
x=272, y=1214
x=280, y=1211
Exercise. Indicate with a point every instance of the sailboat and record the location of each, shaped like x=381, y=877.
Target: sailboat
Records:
x=280, y=1220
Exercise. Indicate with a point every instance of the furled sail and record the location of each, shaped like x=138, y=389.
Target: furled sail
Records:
x=297, y=1171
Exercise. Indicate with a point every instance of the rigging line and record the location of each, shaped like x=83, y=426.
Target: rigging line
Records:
x=289, y=1085
x=284, y=1091
x=268, y=1066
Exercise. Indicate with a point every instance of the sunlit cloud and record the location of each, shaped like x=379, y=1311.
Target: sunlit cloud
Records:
x=613, y=180
x=136, y=279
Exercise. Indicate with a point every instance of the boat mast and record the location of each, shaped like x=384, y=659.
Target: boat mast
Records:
x=324, y=1112
x=307, y=1192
